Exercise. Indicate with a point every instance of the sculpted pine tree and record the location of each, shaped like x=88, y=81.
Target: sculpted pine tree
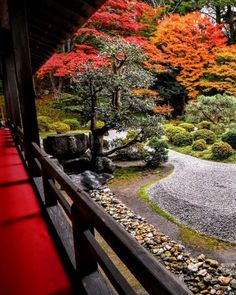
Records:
x=106, y=92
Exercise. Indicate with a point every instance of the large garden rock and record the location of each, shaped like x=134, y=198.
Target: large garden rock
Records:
x=66, y=146
x=89, y=180
x=104, y=165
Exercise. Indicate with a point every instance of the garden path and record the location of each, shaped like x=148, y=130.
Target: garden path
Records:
x=200, y=194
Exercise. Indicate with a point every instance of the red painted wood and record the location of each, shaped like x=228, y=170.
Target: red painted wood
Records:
x=29, y=263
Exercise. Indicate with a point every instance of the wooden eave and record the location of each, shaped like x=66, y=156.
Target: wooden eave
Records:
x=51, y=23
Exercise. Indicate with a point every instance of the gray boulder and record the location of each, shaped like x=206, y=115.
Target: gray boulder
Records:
x=104, y=165
x=89, y=180
x=66, y=146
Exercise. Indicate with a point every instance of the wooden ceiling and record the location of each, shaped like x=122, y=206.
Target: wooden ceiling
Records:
x=51, y=23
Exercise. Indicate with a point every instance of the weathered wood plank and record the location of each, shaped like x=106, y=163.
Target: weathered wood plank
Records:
x=94, y=284
x=111, y=271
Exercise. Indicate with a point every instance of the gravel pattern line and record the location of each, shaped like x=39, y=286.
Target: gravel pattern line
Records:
x=200, y=194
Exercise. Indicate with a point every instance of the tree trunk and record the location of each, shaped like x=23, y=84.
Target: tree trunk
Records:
x=54, y=88
x=218, y=16
x=97, y=141
x=116, y=99
x=97, y=146
x=230, y=21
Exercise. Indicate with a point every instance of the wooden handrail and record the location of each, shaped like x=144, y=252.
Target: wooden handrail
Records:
x=148, y=271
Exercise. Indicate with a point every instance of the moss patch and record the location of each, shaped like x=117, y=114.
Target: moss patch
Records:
x=189, y=236
x=128, y=175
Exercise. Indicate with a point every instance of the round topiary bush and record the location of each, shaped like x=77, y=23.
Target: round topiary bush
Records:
x=182, y=138
x=73, y=123
x=221, y=150
x=204, y=125
x=60, y=127
x=171, y=130
x=187, y=126
x=208, y=135
x=44, y=123
x=199, y=145
x=230, y=137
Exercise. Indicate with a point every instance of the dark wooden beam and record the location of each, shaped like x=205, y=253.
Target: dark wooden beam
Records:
x=20, y=38
x=48, y=33
x=8, y=103
x=81, y=7
x=11, y=85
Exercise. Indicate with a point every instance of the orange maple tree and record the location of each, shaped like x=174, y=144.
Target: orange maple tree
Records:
x=220, y=76
x=188, y=44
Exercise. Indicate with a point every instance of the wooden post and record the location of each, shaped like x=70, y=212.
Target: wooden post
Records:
x=13, y=93
x=86, y=263
x=8, y=103
x=20, y=38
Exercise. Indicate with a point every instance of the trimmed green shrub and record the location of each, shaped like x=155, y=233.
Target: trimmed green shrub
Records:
x=73, y=123
x=43, y=123
x=60, y=127
x=218, y=128
x=182, y=138
x=208, y=135
x=157, y=154
x=171, y=130
x=187, y=126
x=230, y=137
x=199, y=145
x=221, y=150
x=204, y=125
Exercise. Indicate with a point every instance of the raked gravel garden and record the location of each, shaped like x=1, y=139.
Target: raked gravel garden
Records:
x=198, y=193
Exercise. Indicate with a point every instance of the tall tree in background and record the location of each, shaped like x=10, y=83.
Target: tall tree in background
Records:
x=188, y=44
x=220, y=11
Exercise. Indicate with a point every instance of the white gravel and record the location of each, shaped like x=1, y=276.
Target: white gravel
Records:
x=200, y=194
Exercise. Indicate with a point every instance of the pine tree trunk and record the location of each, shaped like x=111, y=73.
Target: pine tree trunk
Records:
x=97, y=146
x=231, y=24
x=218, y=16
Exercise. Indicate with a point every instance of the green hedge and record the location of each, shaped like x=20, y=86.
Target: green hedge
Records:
x=199, y=145
x=208, y=135
x=221, y=150
x=230, y=137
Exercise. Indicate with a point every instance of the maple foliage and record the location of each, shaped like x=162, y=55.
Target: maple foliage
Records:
x=127, y=20
x=188, y=44
x=220, y=75
x=163, y=109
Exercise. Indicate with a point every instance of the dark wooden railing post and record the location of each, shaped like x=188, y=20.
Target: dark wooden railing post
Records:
x=50, y=199
x=12, y=87
x=86, y=263
x=21, y=49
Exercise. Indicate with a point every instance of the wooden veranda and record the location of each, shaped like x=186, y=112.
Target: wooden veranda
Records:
x=47, y=241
